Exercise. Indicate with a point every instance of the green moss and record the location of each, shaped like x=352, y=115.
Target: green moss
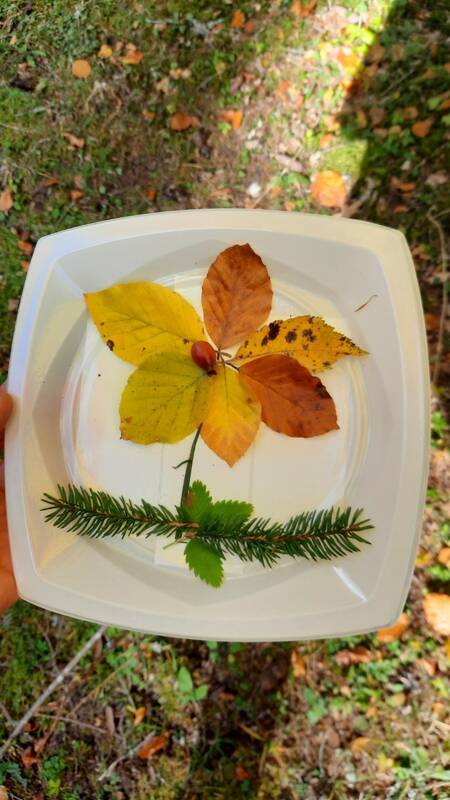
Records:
x=346, y=158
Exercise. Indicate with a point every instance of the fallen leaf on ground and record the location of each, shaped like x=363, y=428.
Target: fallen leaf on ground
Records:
x=303, y=8
x=382, y=133
x=377, y=115
x=398, y=699
x=139, y=715
x=400, y=209
x=238, y=18
x=444, y=554
x=236, y=295
x=151, y=194
x=105, y=51
x=75, y=195
x=289, y=205
x=233, y=116
x=25, y=265
x=351, y=62
x=329, y=189
x=275, y=192
x=28, y=758
x=376, y=53
x=6, y=200
x=403, y=186
x=325, y=140
x=3, y=793
x=310, y=340
x=445, y=104
x=292, y=400
x=428, y=666
x=181, y=122
x=25, y=247
x=283, y=86
x=298, y=664
x=359, y=655
x=78, y=181
x=233, y=418
x=241, y=774
x=437, y=612
x=250, y=26
x=422, y=127
x=81, y=68
x=151, y=745
x=148, y=114
x=409, y=112
x=132, y=55
x=178, y=73
x=361, y=744
x=361, y=118
x=109, y=720
x=393, y=632
x=74, y=140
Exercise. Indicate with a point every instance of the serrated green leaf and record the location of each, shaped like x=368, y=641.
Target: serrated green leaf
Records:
x=199, y=502
x=231, y=513
x=204, y=562
x=184, y=681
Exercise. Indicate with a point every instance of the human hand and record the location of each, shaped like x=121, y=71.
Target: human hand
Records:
x=8, y=588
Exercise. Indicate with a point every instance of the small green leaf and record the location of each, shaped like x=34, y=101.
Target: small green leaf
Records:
x=199, y=502
x=204, y=562
x=184, y=680
x=232, y=513
x=201, y=692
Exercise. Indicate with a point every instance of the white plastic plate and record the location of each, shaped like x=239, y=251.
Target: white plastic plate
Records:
x=66, y=385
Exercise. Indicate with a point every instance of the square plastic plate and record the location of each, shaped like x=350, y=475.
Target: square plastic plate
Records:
x=66, y=386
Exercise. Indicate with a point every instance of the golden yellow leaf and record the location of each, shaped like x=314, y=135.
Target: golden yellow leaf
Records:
x=233, y=416
x=309, y=340
x=164, y=400
x=81, y=68
x=394, y=632
x=437, y=612
x=139, y=319
x=139, y=715
x=105, y=51
x=361, y=744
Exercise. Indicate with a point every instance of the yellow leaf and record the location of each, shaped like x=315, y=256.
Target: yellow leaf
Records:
x=105, y=51
x=310, y=340
x=139, y=319
x=233, y=417
x=164, y=400
x=139, y=715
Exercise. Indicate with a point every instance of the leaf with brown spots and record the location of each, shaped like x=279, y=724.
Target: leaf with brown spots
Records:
x=292, y=400
x=329, y=189
x=236, y=295
x=309, y=340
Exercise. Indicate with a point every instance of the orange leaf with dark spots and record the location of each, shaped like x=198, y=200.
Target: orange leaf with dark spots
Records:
x=236, y=295
x=422, y=127
x=292, y=400
x=152, y=744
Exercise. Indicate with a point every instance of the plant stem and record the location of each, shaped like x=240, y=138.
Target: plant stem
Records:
x=189, y=462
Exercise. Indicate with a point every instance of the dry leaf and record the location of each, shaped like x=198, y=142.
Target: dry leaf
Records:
x=78, y=181
x=437, y=612
x=139, y=715
x=428, y=666
x=329, y=189
x=105, y=51
x=241, y=774
x=151, y=745
x=398, y=699
x=283, y=86
x=233, y=116
x=132, y=55
x=25, y=265
x=400, y=209
x=233, y=417
x=236, y=295
x=164, y=400
x=325, y=140
x=74, y=140
x=422, y=127
x=28, y=758
x=148, y=114
x=359, y=655
x=250, y=26
x=394, y=632
x=3, y=793
x=303, y=8
x=238, y=18
x=309, y=340
x=109, y=720
x=361, y=119
x=75, y=195
x=377, y=115
x=292, y=400
x=403, y=186
x=181, y=122
x=445, y=104
x=151, y=194
x=275, y=192
x=289, y=205
x=25, y=247
x=351, y=62
x=298, y=664
x=81, y=68
x=166, y=321
x=6, y=200
x=361, y=744
x=409, y=112
x=376, y=53
x=444, y=554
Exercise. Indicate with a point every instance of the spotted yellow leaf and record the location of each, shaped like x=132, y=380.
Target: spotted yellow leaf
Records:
x=164, y=400
x=139, y=319
x=233, y=416
x=310, y=340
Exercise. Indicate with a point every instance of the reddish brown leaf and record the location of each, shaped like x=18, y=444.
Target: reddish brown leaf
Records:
x=139, y=715
x=151, y=194
x=149, y=115
x=444, y=556
x=132, y=55
x=152, y=744
x=236, y=295
x=241, y=774
x=360, y=655
x=409, y=112
x=238, y=18
x=75, y=195
x=293, y=401
x=28, y=758
x=233, y=116
x=74, y=140
x=25, y=264
x=25, y=247
x=422, y=127
x=437, y=612
x=403, y=186
x=303, y=8
x=329, y=189
x=6, y=200
x=181, y=122
x=393, y=632
x=250, y=26
x=81, y=68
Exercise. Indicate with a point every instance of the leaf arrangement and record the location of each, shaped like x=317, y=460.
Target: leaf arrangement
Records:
x=210, y=530
x=184, y=383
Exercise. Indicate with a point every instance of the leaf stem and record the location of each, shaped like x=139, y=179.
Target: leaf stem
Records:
x=189, y=462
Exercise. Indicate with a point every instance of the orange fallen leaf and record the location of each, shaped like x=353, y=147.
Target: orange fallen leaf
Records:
x=361, y=744
x=233, y=116
x=444, y=554
x=238, y=18
x=148, y=114
x=105, y=51
x=325, y=140
x=81, y=68
x=25, y=247
x=75, y=194
x=409, y=112
x=3, y=793
x=403, y=186
x=236, y=295
x=348, y=60
x=181, y=122
x=151, y=194
x=50, y=182
x=437, y=612
x=78, y=181
x=75, y=141
x=139, y=715
x=250, y=26
x=227, y=697
x=390, y=634
x=151, y=745
x=427, y=75
x=428, y=666
x=293, y=401
x=361, y=119
x=28, y=758
x=359, y=655
x=24, y=264
x=241, y=774
x=298, y=664
x=303, y=9
x=275, y=192
x=6, y=200
x=283, y=86
x=289, y=205
x=132, y=55
x=422, y=127
x=329, y=189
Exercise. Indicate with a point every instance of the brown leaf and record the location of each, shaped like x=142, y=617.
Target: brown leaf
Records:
x=359, y=655
x=109, y=720
x=151, y=194
x=303, y=8
x=236, y=295
x=292, y=400
x=152, y=744
x=241, y=774
x=422, y=127
x=298, y=664
x=3, y=793
x=377, y=115
x=250, y=26
x=409, y=112
x=25, y=247
x=148, y=114
x=238, y=18
x=437, y=612
x=376, y=53
x=75, y=195
x=361, y=118
x=50, y=182
x=132, y=55
x=403, y=186
x=74, y=140
x=25, y=264
x=139, y=715
x=105, y=51
x=361, y=744
x=28, y=758
x=445, y=104
x=78, y=181
x=393, y=632
x=81, y=68
x=181, y=122
x=444, y=556
x=428, y=666
x=233, y=116
x=329, y=189
x=6, y=200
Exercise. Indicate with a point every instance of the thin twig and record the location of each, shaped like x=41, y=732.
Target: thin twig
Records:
x=51, y=688
x=109, y=771
x=72, y=722
x=363, y=305
x=444, y=258
x=187, y=474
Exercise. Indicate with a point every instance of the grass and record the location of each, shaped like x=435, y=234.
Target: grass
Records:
x=300, y=720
